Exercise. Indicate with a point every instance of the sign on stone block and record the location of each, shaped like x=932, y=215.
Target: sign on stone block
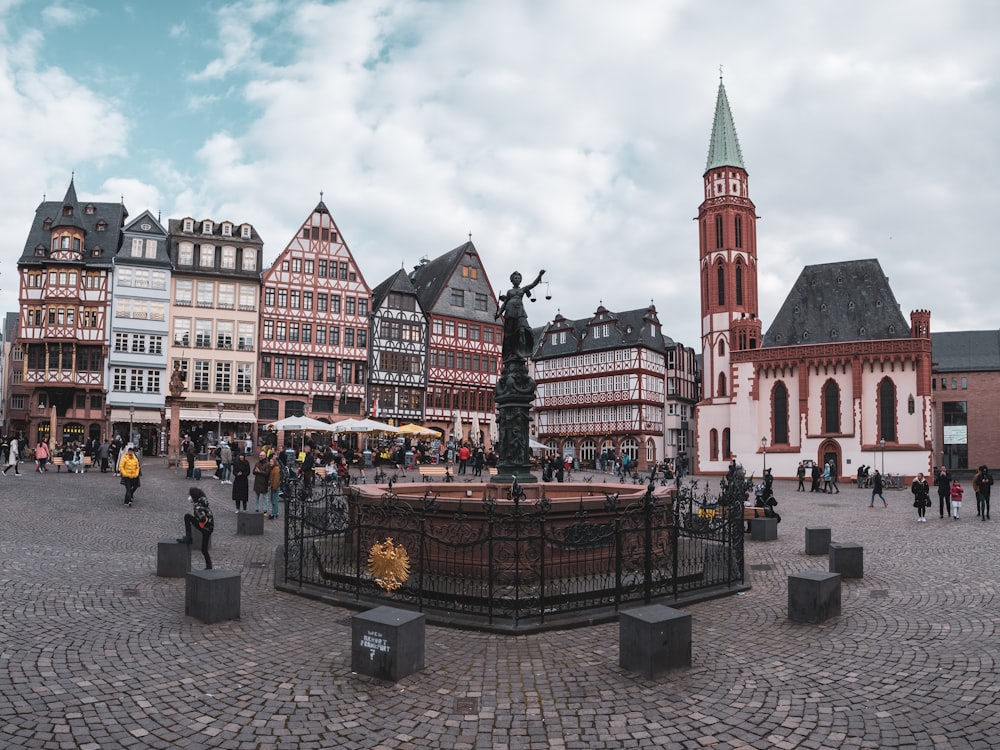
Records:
x=387, y=643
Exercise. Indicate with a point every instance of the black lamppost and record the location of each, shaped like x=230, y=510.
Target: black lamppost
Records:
x=763, y=447
x=218, y=435
x=131, y=418
x=882, y=443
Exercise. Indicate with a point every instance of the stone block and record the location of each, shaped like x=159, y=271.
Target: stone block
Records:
x=763, y=529
x=196, y=538
x=817, y=540
x=847, y=559
x=213, y=595
x=173, y=559
x=249, y=524
x=813, y=596
x=654, y=638
x=387, y=643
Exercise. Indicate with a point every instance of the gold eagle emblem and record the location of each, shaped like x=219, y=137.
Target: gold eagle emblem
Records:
x=389, y=564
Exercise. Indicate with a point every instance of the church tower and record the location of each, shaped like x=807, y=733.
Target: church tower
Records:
x=727, y=235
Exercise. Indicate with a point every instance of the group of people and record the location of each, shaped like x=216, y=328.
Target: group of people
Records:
x=950, y=493
x=827, y=476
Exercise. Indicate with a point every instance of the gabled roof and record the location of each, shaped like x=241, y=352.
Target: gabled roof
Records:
x=724, y=147
x=110, y=215
x=966, y=351
x=629, y=328
x=431, y=277
x=836, y=302
x=398, y=282
x=144, y=225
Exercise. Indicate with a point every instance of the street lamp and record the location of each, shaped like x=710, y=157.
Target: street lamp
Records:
x=218, y=435
x=131, y=419
x=763, y=447
x=882, y=443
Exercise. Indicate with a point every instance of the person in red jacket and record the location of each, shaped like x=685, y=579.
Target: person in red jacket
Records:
x=463, y=458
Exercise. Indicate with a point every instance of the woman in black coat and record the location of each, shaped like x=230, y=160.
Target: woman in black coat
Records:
x=921, y=496
x=241, y=481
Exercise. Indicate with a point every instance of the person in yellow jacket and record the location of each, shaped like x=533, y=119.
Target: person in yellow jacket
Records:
x=130, y=473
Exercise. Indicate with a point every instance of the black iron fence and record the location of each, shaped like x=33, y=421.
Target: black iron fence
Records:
x=511, y=562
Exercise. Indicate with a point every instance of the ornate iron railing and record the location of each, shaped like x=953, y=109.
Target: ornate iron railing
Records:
x=505, y=560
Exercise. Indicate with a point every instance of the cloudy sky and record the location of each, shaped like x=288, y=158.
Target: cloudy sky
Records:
x=567, y=135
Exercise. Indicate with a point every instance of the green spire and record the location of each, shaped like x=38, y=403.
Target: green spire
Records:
x=724, y=149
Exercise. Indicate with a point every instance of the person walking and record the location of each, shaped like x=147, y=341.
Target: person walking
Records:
x=943, y=483
x=129, y=469
x=226, y=463
x=877, y=490
x=13, y=456
x=956, y=498
x=815, y=478
x=833, y=476
x=921, y=496
x=985, y=485
x=103, y=451
x=978, y=491
x=800, y=474
x=274, y=487
x=241, y=482
x=826, y=478
x=201, y=518
x=261, y=474
x=42, y=456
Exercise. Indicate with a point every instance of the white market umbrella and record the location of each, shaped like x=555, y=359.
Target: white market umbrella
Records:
x=362, y=425
x=307, y=424
x=536, y=446
x=494, y=433
x=456, y=429
x=475, y=429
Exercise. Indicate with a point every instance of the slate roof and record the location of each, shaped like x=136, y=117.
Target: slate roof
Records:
x=966, y=351
x=837, y=302
x=398, y=282
x=628, y=329
x=431, y=277
x=724, y=147
x=109, y=240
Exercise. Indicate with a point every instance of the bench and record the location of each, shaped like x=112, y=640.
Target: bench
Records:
x=206, y=465
x=430, y=472
x=59, y=462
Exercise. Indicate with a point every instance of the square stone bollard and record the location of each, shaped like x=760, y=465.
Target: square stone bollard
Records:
x=249, y=524
x=847, y=559
x=173, y=559
x=213, y=595
x=387, y=643
x=654, y=638
x=817, y=540
x=813, y=596
x=763, y=529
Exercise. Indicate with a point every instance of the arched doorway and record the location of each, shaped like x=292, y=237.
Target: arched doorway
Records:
x=829, y=450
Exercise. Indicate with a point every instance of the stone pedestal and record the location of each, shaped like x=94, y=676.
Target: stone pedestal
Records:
x=847, y=559
x=387, y=643
x=173, y=559
x=817, y=540
x=213, y=595
x=249, y=524
x=813, y=596
x=763, y=529
x=654, y=638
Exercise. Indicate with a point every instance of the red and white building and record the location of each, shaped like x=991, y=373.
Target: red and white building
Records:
x=840, y=374
x=465, y=343
x=314, y=327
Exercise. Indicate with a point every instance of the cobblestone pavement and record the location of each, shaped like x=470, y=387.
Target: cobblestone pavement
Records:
x=96, y=651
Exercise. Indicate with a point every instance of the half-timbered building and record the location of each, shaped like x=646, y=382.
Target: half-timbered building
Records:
x=137, y=375
x=601, y=386
x=64, y=275
x=465, y=343
x=214, y=308
x=314, y=327
x=397, y=364
x=839, y=376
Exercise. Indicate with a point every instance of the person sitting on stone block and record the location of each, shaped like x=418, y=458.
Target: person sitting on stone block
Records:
x=202, y=519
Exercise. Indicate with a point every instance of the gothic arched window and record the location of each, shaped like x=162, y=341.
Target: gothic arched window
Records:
x=739, y=282
x=887, y=411
x=713, y=445
x=831, y=407
x=722, y=384
x=779, y=414
x=720, y=275
x=739, y=231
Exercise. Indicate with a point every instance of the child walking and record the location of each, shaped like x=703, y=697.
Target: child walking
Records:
x=956, y=498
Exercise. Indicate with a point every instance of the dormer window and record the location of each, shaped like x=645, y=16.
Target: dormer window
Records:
x=67, y=210
x=40, y=250
x=227, y=229
x=188, y=225
x=47, y=224
x=206, y=227
x=90, y=209
x=245, y=231
x=102, y=226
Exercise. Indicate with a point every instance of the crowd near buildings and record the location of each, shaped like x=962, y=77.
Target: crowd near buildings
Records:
x=113, y=309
